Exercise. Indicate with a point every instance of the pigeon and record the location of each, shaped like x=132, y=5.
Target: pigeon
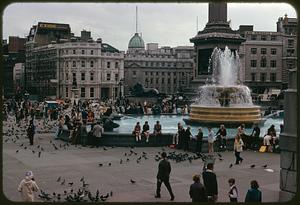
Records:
x=138, y=161
x=33, y=151
x=144, y=153
x=252, y=166
x=109, y=164
x=84, y=184
x=63, y=182
x=104, y=148
x=17, y=151
x=230, y=165
x=219, y=155
x=111, y=193
x=42, y=148
x=39, y=154
x=100, y=165
x=220, y=159
x=132, y=181
x=58, y=179
x=65, y=192
x=38, y=146
x=265, y=166
x=82, y=179
x=139, y=158
x=127, y=159
x=25, y=147
x=125, y=154
x=71, y=183
x=21, y=145
x=121, y=161
x=54, y=194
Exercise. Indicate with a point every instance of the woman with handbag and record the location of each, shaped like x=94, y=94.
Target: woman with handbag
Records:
x=238, y=148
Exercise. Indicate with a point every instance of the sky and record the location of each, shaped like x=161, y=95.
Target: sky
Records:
x=168, y=24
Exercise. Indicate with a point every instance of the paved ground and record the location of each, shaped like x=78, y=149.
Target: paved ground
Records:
x=74, y=162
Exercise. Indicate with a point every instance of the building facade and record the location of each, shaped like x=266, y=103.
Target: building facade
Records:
x=57, y=62
x=267, y=56
x=96, y=70
x=169, y=70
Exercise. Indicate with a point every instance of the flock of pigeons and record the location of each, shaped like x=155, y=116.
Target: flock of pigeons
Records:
x=14, y=133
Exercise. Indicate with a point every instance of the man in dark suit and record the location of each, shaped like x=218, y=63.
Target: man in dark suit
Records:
x=163, y=176
x=210, y=183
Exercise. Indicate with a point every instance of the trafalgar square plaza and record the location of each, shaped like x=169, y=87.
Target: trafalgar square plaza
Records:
x=214, y=121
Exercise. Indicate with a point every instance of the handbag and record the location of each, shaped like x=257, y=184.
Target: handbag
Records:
x=263, y=148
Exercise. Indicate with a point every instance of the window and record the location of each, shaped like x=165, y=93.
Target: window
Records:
x=156, y=73
x=169, y=80
x=273, y=77
x=67, y=64
x=263, y=37
x=157, y=80
x=134, y=73
x=253, y=37
x=253, y=50
x=151, y=73
x=263, y=63
x=91, y=76
x=263, y=51
x=253, y=76
x=174, y=80
x=74, y=76
x=92, y=52
x=74, y=64
x=169, y=74
x=67, y=92
x=163, y=63
x=67, y=51
x=83, y=64
x=162, y=81
x=290, y=43
x=82, y=92
x=67, y=76
x=74, y=51
x=263, y=77
x=91, y=92
x=273, y=38
x=273, y=63
x=253, y=63
x=151, y=80
x=92, y=64
x=108, y=76
x=83, y=76
x=162, y=73
x=116, y=77
x=108, y=64
x=82, y=51
x=146, y=73
x=273, y=51
x=116, y=64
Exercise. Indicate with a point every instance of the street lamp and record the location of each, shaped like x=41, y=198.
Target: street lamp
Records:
x=120, y=87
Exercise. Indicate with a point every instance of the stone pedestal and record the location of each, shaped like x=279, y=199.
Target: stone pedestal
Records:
x=74, y=96
x=288, y=142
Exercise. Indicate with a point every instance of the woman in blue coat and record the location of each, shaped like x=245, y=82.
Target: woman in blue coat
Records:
x=253, y=194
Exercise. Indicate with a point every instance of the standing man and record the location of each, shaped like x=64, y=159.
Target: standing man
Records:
x=199, y=138
x=27, y=187
x=210, y=183
x=163, y=176
x=187, y=137
x=97, y=132
x=31, y=131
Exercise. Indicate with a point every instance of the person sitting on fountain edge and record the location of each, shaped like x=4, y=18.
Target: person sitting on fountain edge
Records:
x=157, y=131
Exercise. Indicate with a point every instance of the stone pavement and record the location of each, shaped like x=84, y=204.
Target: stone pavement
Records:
x=71, y=163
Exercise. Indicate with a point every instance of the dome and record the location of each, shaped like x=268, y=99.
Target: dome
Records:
x=136, y=42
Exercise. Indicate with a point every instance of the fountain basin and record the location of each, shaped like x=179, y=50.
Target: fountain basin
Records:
x=229, y=116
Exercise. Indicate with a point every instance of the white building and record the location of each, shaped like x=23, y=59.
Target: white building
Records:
x=18, y=75
x=94, y=68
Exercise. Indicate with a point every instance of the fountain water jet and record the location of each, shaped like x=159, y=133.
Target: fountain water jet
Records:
x=224, y=100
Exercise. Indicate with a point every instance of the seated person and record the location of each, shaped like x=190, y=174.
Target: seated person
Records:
x=145, y=131
x=137, y=132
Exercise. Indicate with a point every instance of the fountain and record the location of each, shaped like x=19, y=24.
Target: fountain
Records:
x=224, y=100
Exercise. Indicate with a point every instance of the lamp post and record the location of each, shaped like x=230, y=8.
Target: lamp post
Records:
x=120, y=87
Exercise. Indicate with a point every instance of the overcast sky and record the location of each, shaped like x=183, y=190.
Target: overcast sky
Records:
x=169, y=24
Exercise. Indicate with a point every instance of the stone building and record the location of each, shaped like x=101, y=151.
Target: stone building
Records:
x=267, y=56
x=56, y=60
x=169, y=70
